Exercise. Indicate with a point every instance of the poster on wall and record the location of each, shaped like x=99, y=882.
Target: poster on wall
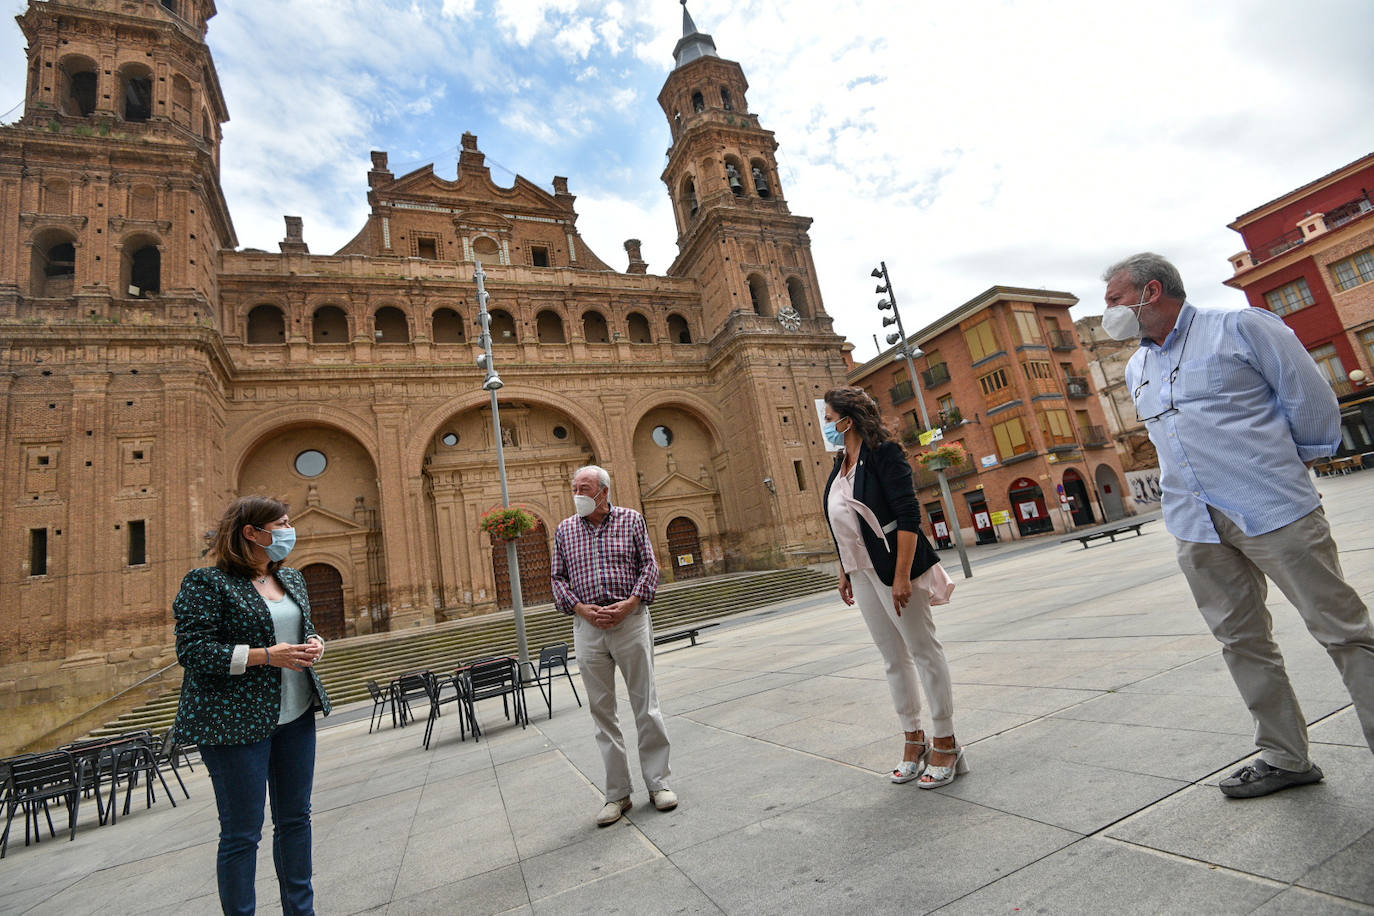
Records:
x=981, y=520
x=1028, y=511
x=820, y=418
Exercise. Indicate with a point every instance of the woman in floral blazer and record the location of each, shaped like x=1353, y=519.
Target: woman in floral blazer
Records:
x=249, y=695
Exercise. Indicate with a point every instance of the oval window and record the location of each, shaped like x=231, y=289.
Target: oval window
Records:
x=663, y=436
x=449, y=439
x=311, y=463
x=560, y=432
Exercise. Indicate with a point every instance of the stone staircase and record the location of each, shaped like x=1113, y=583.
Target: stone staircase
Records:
x=349, y=664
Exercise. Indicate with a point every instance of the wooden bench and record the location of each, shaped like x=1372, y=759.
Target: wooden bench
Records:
x=689, y=633
x=1107, y=533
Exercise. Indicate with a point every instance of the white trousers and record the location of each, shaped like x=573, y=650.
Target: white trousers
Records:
x=911, y=652
x=1227, y=581
x=629, y=646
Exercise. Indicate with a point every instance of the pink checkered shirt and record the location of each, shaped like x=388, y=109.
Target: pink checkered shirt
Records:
x=605, y=563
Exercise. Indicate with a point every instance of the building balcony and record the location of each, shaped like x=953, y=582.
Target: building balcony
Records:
x=935, y=375
x=902, y=392
x=925, y=477
x=1095, y=437
x=1343, y=388
x=950, y=417
x=1075, y=386
x=1062, y=340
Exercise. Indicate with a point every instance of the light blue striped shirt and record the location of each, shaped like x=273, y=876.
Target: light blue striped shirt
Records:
x=1234, y=406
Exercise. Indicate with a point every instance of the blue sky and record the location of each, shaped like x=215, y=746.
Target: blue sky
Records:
x=989, y=141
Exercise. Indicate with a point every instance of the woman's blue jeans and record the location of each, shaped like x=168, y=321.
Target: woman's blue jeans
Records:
x=281, y=767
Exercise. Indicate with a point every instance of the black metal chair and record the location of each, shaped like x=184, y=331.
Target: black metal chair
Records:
x=134, y=759
x=34, y=781
x=434, y=687
x=406, y=688
x=381, y=698
x=167, y=751
x=551, y=658
x=487, y=679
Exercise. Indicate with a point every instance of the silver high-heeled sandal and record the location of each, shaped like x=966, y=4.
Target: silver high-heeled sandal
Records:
x=908, y=770
x=936, y=776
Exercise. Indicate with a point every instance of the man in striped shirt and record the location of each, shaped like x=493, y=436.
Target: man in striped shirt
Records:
x=605, y=573
x=1239, y=412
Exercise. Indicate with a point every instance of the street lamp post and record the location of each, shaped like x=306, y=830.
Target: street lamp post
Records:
x=493, y=383
x=904, y=348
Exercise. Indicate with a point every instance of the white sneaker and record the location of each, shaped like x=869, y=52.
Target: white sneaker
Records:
x=664, y=799
x=612, y=810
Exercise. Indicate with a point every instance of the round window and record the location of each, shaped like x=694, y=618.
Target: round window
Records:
x=449, y=439
x=311, y=463
x=560, y=432
x=663, y=436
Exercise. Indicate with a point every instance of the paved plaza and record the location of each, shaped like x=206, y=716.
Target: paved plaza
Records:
x=1096, y=709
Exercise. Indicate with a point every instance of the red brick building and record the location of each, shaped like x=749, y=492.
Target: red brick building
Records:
x=1004, y=378
x=1309, y=258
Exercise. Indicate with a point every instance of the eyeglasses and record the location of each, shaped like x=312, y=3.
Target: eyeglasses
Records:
x=1173, y=377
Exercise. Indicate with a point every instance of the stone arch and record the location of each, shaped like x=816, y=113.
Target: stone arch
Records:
x=734, y=175
x=244, y=440
x=796, y=295
x=679, y=331
x=594, y=327
x=637, y=328
x=682, y=535
x=1111, y=491
x=431, y=425
x=266, y=325
x=487, y=250
x=703, y=411
x=182, y=100
x=268, y=466
x=549, y=327
x=758, y=295
x=324, y=583
x=79, y=88
x=687, y=197
x=390, y=325
x=446, y=326
x=329, y=325
x=135, y=92
x=140, y=270
x=52, y=272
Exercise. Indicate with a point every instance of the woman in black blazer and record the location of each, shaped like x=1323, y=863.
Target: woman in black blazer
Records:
x=889, y=567
x=249, y=696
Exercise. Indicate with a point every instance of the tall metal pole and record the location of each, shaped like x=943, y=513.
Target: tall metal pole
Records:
x=945, y=497
x=493, y=383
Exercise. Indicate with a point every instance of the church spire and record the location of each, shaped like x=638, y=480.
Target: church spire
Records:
x=694, y=44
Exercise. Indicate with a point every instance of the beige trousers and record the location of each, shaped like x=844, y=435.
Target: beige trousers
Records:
x=911, y=653
x=1227, y=581
x=629, y=646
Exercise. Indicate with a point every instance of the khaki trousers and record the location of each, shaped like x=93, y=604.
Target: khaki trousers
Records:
x=912, y=655
x=629, y=646
x=1227, y=581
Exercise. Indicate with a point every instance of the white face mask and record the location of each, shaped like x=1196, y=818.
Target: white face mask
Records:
x=585, y=505
x=1122, y=322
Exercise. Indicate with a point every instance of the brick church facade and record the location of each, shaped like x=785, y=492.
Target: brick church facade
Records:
x=153, y=369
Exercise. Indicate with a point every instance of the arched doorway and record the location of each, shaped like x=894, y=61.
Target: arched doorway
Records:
x=1110, y=487
x=1028, y=507
x=1080, y=503
x=532, y=550
x=324, y=586
x=684, y=546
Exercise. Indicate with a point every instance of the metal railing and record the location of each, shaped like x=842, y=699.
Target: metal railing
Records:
x=1075, y=386
x=1062, y=340
x=902, y=392
x=950, y=417
x=1094, y=436
x=935, y=375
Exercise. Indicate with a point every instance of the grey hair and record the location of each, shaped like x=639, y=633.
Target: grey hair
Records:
x=1148, y=266
x=602, y=475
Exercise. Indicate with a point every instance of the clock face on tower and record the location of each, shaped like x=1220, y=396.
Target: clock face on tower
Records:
x=789, y=319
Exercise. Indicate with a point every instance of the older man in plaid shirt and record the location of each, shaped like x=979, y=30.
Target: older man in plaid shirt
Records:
x=605, y=573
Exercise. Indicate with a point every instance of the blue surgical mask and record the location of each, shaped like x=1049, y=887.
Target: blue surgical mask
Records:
x=833, y=435
x=283, y=539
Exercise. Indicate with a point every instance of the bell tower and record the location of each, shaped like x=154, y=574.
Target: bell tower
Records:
x=735, y=231
x=773, y=349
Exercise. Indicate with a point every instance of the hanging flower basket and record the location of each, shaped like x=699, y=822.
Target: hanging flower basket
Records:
x=506, y=523
x=943, y=457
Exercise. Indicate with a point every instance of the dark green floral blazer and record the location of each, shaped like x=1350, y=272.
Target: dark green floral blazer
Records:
x=215, y=612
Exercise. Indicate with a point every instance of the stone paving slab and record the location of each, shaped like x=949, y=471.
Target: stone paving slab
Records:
x=1096, y=710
